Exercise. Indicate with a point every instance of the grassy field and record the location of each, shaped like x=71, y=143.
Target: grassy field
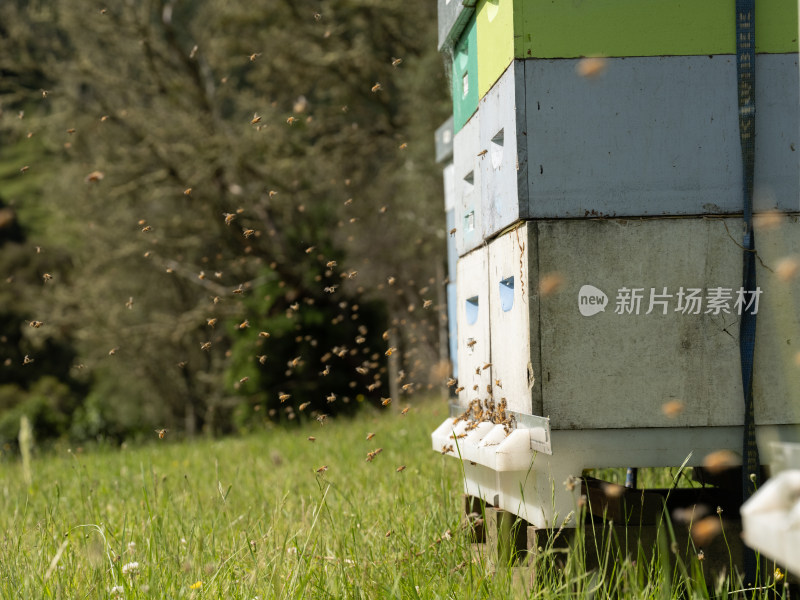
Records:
x=251, y=518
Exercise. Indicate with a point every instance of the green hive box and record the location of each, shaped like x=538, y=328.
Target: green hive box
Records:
x=508, y=29
x=465, y=76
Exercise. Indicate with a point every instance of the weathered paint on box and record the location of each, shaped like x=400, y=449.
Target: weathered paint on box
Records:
x=450, y=219
x=444, y=141
x=504, y=165
x=656, y=136
x=467, y=175
x=453, y=17
x=650, y=136
x=465, y=76
x=615, y=369
x=514, y=320
x=473, y=309
x=619, y=28
x=452, y=326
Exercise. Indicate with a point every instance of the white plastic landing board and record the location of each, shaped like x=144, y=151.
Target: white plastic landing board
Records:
x=490, y=445
x=771, y=520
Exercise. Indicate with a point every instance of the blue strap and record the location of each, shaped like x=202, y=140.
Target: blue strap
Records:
x=745, y=72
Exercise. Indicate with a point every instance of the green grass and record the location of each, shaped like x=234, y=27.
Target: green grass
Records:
x=250, y=518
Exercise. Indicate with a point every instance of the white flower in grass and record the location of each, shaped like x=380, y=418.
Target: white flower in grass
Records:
x=131, y=546
x=130, y=568
x=117, y=590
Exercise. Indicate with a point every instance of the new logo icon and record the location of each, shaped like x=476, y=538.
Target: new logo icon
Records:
x=591, y=300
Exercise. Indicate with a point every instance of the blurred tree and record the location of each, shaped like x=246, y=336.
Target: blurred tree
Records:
x=209, y=171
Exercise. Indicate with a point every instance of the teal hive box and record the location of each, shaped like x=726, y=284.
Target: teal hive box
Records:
x=465, y=76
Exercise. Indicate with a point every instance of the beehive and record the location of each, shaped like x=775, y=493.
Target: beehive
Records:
x=608, y=201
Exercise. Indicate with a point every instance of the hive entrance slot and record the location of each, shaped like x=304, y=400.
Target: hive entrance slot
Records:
x=497, y=149
x=472, y=310
x=507, y=293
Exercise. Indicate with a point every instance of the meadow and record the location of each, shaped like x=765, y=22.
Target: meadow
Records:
x=259, y=517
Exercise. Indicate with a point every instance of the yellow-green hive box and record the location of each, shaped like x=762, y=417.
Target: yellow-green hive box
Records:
x=508, y=29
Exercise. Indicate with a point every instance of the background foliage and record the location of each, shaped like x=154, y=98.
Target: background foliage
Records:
x=132, y=131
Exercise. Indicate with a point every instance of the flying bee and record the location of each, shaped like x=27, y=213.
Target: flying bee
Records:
x=218, y=274
x=352, y=274
x=24, y=169
x=71, y=130
x=477, y=370
x=229, y=217
x=390, y=351
x=129, y=303
x=330, y=264
x=248, y=233
x=452, y=232
x=427, y=304
x=311, y=438
x=389, y=533
x=486, y=366
x=400, y=468
x=47, y=277
x=27, y=360
x=446, y=448
x=303, y=406
x=310, y=249
x=386, y=401
x=206, y=346
x=348, y=202
x=451, y=382
x=211, y=322
x=35, y=324
x=376, y=87
x=471, y=343
x=325, y=371
x=459, y=389
x=238, y=290
x=370, y=435
x=390, y=280
x=322, y=469
x=331, y=398
x=407, y=386
x=284, y=397
x=482, y=153
x=291, y=120
x=396, y=62
x=254, y=56
x=322, y=419
x=113, y=351
x=362, y=370
x=161, y=433
x=147, y=229
x=272, y=193
x=263, y=334
x=403, y=146
x=244, y=324
x=498, y=383
x=244, y=380
x=330, y=289
x=475, y=387
x=405, y=410
x=201, y=275
x=262, y=359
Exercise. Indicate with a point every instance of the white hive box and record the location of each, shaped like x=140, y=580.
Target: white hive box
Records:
x=514, y=319
x=618, y=368
x=467, y=175
x=648, y=136
x=472, y=302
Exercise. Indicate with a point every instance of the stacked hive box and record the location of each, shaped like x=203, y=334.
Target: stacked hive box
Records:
x=598, y=221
